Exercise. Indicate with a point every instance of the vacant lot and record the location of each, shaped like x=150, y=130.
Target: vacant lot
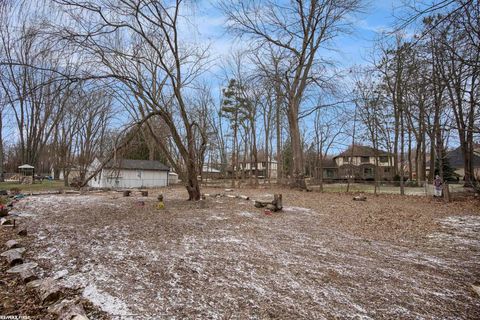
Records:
x=324, y=256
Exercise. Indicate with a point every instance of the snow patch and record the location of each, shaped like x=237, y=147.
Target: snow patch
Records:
x=105, y=301
x=297, y=209
x=246, y=214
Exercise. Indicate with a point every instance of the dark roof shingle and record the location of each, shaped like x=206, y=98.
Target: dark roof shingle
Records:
x=361, y=151
x=455, y=158
x=136, y=165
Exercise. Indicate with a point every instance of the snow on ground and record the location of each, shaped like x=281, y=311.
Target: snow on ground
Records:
x=235, y=262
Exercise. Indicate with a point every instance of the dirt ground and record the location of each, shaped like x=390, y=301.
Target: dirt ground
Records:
x=324, y=256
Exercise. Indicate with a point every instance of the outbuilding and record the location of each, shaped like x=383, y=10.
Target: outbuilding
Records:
x=129, y=173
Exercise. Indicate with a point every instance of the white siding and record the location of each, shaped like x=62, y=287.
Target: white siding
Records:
x=358, y=161
x=129, y=179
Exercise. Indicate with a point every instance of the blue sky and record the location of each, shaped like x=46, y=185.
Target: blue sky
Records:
x=351, y=49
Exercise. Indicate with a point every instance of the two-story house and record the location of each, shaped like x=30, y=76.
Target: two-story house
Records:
x=361, y=162
x=266, y=167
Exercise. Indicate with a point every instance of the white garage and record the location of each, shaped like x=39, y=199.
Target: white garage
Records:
x=128, y=173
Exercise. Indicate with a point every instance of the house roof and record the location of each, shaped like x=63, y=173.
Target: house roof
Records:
x=26, y=166
x=131, y=164
x=209, y=169
x=362, y=151
x=261, y=157
x=456, y=160
x=328, y=163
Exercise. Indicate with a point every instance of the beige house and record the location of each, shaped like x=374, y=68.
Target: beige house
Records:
x=266, y=167
x=362, y=162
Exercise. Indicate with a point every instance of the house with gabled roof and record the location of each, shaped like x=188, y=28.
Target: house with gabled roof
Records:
x=362, y=162
x=129, y=173
x=456, y=161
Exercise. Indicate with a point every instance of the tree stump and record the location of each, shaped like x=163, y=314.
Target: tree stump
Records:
x=126, y=193
x=144, y=193
x=446, y=192
x=277, y=202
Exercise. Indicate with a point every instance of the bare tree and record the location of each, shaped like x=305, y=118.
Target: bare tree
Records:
x=299, y=30
x=139, y=43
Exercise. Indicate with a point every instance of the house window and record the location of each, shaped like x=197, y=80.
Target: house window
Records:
x=368, y=171
x=386, y=170
x=345, y=159
x=365, y=159
x=383, y=159
x=329, y=173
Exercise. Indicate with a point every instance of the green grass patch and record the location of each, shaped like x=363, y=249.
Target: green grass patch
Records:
x=37, y=186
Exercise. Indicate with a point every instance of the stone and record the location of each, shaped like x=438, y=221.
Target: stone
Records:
x=6, y=222
x=13, y=257
x=19, y=250
x=48, y=290
x=476, y=289
x=11, y=244
x=27, y=275
x=68, y=309
x=22, y=267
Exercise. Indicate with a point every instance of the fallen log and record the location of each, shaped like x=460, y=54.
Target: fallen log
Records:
x=359, y=198
x=48, y=290
x=13, y=257
x=261, y=204
x=275, y=205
